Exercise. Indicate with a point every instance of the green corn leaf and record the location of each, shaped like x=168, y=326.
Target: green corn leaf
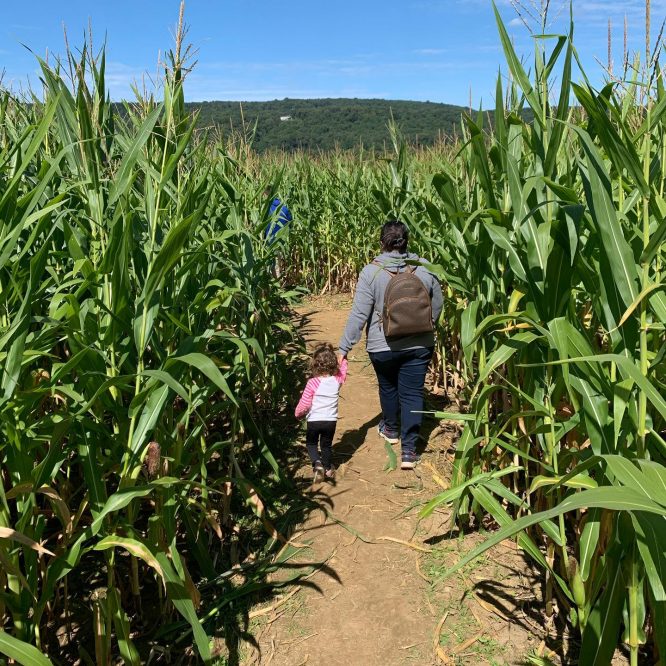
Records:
x=183, y=143
x=22, y=653
x=655, y=474
x=125, y=176
x=88, y=456
x=206, y=366
x=19, y=537
x=620, y=151
x=392, y=462
x=501, y=237
x=454, y=493
x=452, y=416
x=657, y=239
x=180, y=598
x=557, y=132
x=616, y=499
x=569, y=342
x=504, y=444
x=495, y=509
x=566, y=194
x=467, y=328
x=648, y=290
x=500, y=120
x=629, y=370
x=132, y=546
x=481, y=161
x=497, y=319
x=504, y=352
x=118, y=501
x=589, y=539
x=651, y=539
x=170, y=253
x=578, y=481
x=149, y=416
x=617, y=250
x=168, y=379
x=621, y=397
x=603, y=626
x=144, y=321
x=633, y=475
x=597, y=422
x=37, y=138
x=126, y=647
x=516, y=68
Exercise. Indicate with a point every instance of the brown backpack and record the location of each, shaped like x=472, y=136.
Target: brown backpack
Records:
x=407, y=305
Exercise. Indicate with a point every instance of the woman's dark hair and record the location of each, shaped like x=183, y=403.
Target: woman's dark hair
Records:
x=324, y=361
x=394, y=236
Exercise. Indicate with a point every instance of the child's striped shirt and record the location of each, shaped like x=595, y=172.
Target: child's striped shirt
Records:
x=320, y=396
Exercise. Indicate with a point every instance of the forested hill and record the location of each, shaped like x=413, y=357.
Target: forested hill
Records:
x=323, y=124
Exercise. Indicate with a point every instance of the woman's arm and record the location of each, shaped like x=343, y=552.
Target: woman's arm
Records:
x=364, y=302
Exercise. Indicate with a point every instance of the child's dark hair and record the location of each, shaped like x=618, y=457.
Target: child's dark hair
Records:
x=324, y=361
x=394, y=236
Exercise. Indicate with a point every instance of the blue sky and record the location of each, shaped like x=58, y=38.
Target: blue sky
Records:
x=257, y=50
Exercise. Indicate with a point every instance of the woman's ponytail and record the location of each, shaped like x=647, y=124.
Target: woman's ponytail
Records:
x=394, y=237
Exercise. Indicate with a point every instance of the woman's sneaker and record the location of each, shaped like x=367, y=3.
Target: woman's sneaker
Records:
x=318, y=471
x=330, y=473
x=390, y=436
x=409, y=461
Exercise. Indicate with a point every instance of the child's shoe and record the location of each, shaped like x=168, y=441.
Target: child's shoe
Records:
x=390, y=436
x=330, y=473
x=318, y=471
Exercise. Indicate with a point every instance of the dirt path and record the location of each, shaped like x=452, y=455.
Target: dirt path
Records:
x=377, y=601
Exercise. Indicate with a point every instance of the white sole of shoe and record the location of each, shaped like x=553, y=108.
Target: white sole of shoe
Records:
x=407, y=464
x=390, y=440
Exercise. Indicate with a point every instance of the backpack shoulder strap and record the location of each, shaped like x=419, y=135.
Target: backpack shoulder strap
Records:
x=380, y=265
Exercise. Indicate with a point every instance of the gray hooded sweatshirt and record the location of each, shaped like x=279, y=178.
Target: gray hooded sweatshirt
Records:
x=369, y=303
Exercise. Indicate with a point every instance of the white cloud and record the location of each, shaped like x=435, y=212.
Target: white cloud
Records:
x=199, y=90
x=429, y=52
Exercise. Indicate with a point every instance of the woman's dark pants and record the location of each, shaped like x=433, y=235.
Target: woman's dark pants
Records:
x=401, y=376
x=319, y=438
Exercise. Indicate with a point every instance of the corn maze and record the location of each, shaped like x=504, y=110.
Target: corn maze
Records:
x=145, y=347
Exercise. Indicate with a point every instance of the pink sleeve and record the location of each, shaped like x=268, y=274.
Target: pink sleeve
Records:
x=342, y=372
x=305, y=403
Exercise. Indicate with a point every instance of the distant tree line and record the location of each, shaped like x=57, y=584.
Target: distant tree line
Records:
x=326, y=124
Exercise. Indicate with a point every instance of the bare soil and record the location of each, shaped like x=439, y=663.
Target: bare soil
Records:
x=378, y=595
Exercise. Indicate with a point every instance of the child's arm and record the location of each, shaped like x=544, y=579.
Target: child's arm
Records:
x=305, y=403
x=342, y=371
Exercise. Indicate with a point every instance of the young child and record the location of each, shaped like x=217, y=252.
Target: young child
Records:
x=319, y=402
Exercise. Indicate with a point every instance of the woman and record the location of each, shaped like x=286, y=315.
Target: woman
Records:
x=400, y=362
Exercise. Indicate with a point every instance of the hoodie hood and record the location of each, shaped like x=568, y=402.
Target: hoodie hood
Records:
x=392, y=261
